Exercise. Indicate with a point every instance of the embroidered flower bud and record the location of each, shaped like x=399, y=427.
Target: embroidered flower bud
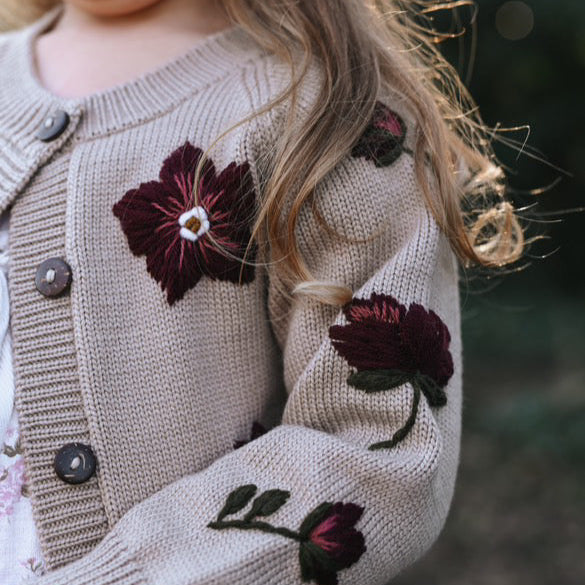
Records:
x=332, y=542
x=328, y=540
x=383, y=139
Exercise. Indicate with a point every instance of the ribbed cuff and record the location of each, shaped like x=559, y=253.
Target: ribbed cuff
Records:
x=110, y=563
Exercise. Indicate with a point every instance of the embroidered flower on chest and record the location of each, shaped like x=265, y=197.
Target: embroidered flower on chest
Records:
x=383, y=139
x=390, y=345
x=186, y=233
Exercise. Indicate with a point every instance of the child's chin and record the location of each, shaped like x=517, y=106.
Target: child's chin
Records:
x=112, y=7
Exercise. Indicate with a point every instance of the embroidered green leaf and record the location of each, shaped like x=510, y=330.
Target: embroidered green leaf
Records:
x=267, y=503
x=317, y=564
x=378, y=380
x=328, y=540
x=393, y=154
x=237, y=500
x=314, y=518
x=434, y=393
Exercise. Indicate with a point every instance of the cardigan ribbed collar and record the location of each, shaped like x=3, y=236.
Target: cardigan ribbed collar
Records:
x=25, y=103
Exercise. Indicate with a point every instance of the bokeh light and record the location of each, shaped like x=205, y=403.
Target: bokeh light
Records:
x=515, y=20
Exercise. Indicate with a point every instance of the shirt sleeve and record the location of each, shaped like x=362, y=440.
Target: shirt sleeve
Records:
x=356, y=482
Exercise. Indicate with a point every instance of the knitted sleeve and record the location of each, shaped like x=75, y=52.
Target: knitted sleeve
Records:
x=356, y=482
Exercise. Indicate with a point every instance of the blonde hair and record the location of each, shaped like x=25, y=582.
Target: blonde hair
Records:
x=16, y=13
x=366, y=48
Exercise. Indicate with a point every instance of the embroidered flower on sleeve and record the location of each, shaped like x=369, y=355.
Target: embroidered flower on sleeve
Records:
x=383, y=139
x=390, y=345
x=328, y=540
x=331, y=542
x=163, y=221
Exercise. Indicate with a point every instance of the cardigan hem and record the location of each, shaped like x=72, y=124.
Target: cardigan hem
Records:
x=108, y=563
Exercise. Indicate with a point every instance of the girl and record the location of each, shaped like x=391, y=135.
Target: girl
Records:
x=234, y=230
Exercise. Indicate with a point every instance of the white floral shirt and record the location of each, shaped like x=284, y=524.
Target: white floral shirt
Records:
x=20, y=554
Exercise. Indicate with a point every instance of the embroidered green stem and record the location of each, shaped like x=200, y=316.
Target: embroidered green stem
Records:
x=256, y=525
x=328, y=541
x=400, y=434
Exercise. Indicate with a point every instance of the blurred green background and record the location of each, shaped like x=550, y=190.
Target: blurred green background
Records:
x=518, y=516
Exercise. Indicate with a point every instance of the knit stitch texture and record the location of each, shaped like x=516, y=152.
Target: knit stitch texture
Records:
x=163, y=391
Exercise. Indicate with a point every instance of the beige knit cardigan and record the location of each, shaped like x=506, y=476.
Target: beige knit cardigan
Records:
x=162, y=388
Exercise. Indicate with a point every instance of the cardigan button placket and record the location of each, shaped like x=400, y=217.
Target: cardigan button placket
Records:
x=33, y=147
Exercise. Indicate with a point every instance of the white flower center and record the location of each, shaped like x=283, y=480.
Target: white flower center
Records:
x=194, y=223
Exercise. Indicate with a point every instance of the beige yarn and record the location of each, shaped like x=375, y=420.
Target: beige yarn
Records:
x=161, y=393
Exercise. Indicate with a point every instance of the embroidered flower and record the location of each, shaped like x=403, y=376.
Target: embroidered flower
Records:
x=391, y=345
x=332, y=542
x=257, y=431
x=178, y=235
x=383, y=139
x=328, y=540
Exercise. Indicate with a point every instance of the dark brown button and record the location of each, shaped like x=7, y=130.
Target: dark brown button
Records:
x=53, y=277
x=53, y=126
x=75, y=463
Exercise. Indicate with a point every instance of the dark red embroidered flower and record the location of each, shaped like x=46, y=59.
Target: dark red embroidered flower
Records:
x=383, y=334
x=391, y=345
x=163, y=221
x=328, y=539
x=331, y=542
x=383, y=139
x=257, y=431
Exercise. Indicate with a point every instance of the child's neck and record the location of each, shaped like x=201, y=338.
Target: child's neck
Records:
x=84, y=53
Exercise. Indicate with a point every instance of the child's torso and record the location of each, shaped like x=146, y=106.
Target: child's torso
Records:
x=154, y=389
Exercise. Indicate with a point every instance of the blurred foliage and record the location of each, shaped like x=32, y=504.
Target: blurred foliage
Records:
x=518, y=515
x=539, y=82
